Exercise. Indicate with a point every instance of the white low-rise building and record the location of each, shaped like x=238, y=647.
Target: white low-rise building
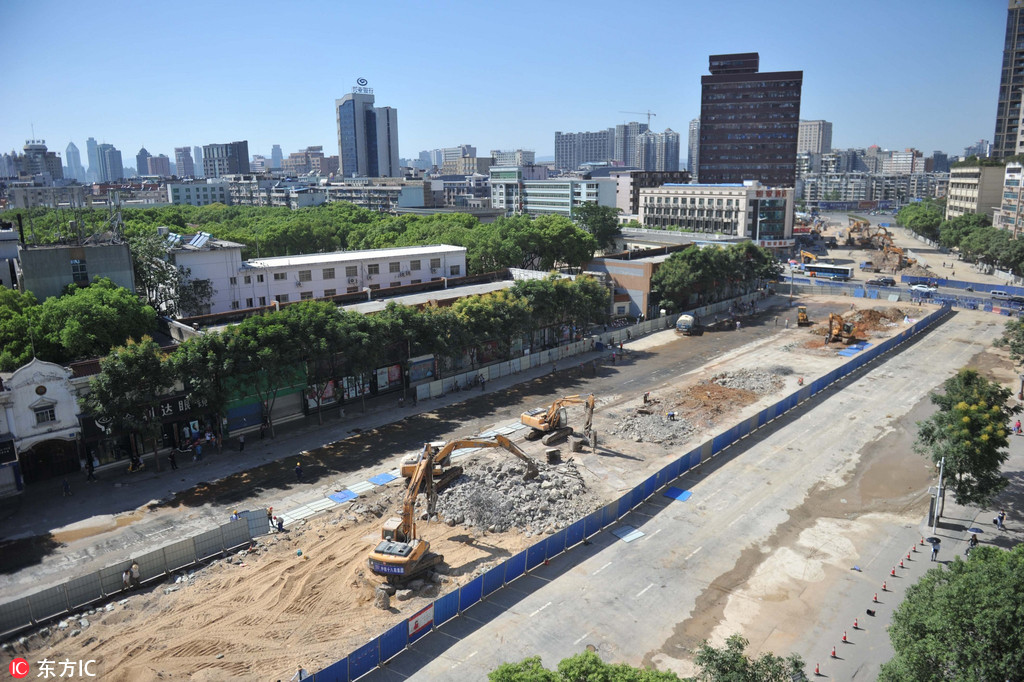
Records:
x=242, y=284
x=199, y=192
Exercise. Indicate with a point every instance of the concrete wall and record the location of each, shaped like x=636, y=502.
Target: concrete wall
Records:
x=46, y=271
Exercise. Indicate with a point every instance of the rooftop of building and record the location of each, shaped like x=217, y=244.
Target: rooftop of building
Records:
x=336, y=256
x=443, y=295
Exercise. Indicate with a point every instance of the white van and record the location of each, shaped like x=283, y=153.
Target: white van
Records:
x=999, y=295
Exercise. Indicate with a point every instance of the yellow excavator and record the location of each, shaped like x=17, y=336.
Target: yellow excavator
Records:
x=838, y=330
x=441, y=454
x=401, y=555
x=552, y=424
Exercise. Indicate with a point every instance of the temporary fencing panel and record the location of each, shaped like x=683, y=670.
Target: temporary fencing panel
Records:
x=720, y=442
x=446, y=608
x=592, y=524
x=364, y=659
x=817, y=385
x=610, y=514
x=494, y=579
x=662, y=477
x=535, y=555
x=574, y=534
x=393, y=641
x=636, y=496
x=208, y=544
x=742, y=429
x=515, y=566
x=83, y=590
x=650, y=485
x=471, y=593
x=182, y=553
x=49, y=602
x=623, y=507
x=110, y=577
x=554, y=545
x=151, y=565
x=804, y=393
x=763, y=418
x=15, y=614
x=256, y=519
x=235, y=534
x=682, y=465
x=336, y=672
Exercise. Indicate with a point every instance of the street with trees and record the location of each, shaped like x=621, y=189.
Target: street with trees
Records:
x=705, y=275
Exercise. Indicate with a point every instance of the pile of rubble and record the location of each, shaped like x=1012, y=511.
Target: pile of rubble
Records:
x=493, y=496
x=643, y=427
x=759, y=381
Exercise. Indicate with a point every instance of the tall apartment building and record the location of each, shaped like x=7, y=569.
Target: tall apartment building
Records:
x=110, y=166
x=626, y=135
x=92, y=151
x=158, y=165
x=657, y=151
x=814, y=137
x=574, y=149
x=940, y=162
x=183, y=161
x=1008, y=108
x=229, y=158
x=276, y=157
x=142, y=162
x=197, y=157
x=974, y=189
x=74, y=162
x=693, y=153
x=749, y=122
x=518, y=157
x=1010, y=215
x=367, y=136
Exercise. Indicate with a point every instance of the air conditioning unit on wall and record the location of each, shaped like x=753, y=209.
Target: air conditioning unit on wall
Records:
x=353, y=280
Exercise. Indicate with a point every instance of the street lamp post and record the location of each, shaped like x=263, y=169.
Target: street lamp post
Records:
x=938, y=496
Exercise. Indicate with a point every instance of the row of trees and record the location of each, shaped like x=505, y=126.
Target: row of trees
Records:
x=312, y=342
x=971, y=234
x=706, y=275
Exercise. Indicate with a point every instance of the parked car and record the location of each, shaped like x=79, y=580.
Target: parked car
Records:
x=924, y=288
x=882, y=282
x=1018, y=300
x=999, y=295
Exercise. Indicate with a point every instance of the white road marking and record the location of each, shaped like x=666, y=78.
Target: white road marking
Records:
x=602, y=568
x=582, y=637
x=655, y=532
x=735, y=521
x=688, y=556
x=540, y=609
x=640, y=593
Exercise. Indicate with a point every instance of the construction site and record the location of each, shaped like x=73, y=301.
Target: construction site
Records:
x=463, y=503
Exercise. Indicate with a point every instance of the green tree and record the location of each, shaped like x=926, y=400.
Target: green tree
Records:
x=165, y=286
x=18, y=327
x=731, y=664
x=969, y=431
x=132, y=380
x=961, y=623
x=262, y=349
x=584, y=667
x=602, y=222
x=206, y=369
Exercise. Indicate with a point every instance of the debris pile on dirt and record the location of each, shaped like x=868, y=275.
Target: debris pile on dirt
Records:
x=759, y=381
x=643, y=427
x=875, y=320
x=493, y=496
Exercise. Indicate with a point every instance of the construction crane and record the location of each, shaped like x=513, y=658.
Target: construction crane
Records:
x=647, y=113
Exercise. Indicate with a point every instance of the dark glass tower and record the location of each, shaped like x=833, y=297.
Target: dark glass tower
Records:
x=1004, y=143
x=749, y=122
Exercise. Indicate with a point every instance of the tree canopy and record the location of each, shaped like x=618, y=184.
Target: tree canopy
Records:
x=602, y=222
x=963, y=623
x=712, y=273
x=969, y=431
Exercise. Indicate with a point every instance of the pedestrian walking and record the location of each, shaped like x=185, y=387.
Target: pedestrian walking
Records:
x=172, y=457
x=971, y=544
x=737, y=325
x=270, y=517
x=90, y=469
x=280, y=524
x=935, y=550
x=67, y=488
x=554, y=367
x=1016, y=427
x=126, y=580
x=199, y=451
x=483, y=383
x=298, y=472
x=241, y=442
x=235, y=516
x=787, y=324
x=1001, y=518
x=613, y=357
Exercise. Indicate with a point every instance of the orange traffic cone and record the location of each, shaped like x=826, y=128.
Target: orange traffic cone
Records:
x=922, y=541
x=876, y=598
x=913, y=548
x=844, y=635
x=901, y=564
x=855, y=626
x=893, y=572
x=834, y=653
x=817, y=670
x=884, y=589
x=908, y=556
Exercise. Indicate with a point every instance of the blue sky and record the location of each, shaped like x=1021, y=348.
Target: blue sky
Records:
x=913, y=73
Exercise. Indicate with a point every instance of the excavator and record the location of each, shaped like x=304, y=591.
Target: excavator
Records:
x=441, y=454
x=401, y=555
x=551, y=423
x=901, y=257
x=838, y=330
x=802, y=320
x=807, y=257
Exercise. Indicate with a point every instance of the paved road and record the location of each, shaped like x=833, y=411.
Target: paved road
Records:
x=761, y=546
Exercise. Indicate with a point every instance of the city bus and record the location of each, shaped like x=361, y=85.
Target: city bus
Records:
x=840, y=273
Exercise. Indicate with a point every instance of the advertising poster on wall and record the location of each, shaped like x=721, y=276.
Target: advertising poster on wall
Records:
x=422, y=369
x=328, y=394
x=354, y=387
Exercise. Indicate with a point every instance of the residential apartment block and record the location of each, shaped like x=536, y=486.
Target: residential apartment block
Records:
x=574, y=149
x=974, y=189
x=656, y=151
x=225, y=159
x=199, y=192
x=814, y=137
x=1008, y=108
x=518, y=157
x=1010, y=215
x=516, y=193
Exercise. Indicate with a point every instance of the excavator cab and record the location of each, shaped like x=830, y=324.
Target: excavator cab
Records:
x=802, y=320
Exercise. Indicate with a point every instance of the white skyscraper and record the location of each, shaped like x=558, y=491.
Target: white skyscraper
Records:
x=814, y=137
x=74, y=161
x=693, y=155
x=367, y=135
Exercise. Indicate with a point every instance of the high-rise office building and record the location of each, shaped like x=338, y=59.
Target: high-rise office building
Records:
x=940, y=162
x=574, y=149
x=367, y=135
x=94, y=159
x=1008, y=109
x=142, y=162
x=73, y=159
x=657, y=151
x=229, y=158
x=110, y=165
x=749, y=122
x=517, y=157
x=197, y=159
x=183, y=160
x=625, y=142
x=38, y=159
x=815, y=137
x=276, y=157
x=693, y=153
x=159, y=165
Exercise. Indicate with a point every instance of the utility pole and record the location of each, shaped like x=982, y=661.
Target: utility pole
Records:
x=938, y=496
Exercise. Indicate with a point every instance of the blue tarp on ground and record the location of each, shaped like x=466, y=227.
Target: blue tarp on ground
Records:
x=343, y=496
x=381, y=479
x=677, y=494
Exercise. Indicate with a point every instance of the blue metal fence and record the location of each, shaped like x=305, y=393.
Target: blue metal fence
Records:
x=394, y=640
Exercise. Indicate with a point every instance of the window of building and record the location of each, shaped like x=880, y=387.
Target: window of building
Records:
x=248, y=303
x=453, y=270
x=79, y=274
x=352, y=290
x=394, y=267
x=305, y=295
x=279, y=276
x=232, y=281
x=416, y=281
x=305, y=275
x=373, y=269
x=414, y=265
x=263, y=300
x=435, y=263
x=330, y=292
x=351, y=270
x=235, y=305
x=328, y=273
x=395, y=284
x=374, y=287
x=45, y=415
x=259, y=278
x=247, y=279
x=281, y=298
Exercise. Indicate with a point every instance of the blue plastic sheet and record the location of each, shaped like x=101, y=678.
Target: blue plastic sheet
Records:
x=336, y=672
x=343, y=496
x=471, y=593
x=364, y=659
x=555, y=545
x=574, y=534
x=494, y=579
x=446, y=608
x=394, y=640
x=535, y=555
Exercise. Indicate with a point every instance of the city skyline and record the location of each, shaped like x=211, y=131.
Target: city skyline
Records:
x=877, y=86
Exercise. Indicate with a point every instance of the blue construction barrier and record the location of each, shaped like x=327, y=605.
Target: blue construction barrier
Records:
x=535, y=555
x=515, y=566
x=471, y=593
x=574, y=534
x=446, y=608
x=394, y=640
x=610, y=514
x=335, y=672
x=650, y=485
x=364, y=659
x=555, y=545
x=494, y=579
x=592, y=524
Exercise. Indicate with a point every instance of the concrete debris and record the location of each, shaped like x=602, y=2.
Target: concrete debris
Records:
x=494, y=497
x=759, y=381
x=382, y=599
x=653, y=428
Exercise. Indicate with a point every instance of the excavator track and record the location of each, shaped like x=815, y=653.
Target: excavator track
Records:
x=447, y=478
x=534, y=434
x=428, y=561
x=557, y=436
